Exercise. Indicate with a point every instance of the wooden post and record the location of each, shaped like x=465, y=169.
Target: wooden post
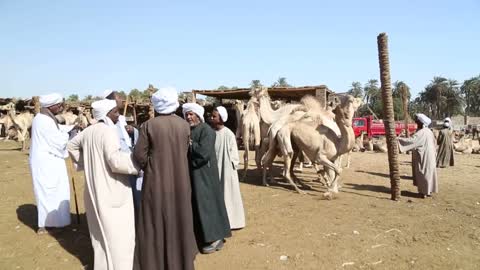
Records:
x=392, y=143
x=135, y=112
x=125, y=107
x=36, y=103
x=194, y=97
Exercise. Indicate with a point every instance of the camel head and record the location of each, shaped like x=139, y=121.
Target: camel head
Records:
x=259, y=92
x=252, y=104
x=345, y=110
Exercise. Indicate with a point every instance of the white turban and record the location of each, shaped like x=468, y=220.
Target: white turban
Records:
x=165, y=100
x=424, y=119
x=447, y=120
x=193, y=107
x=50, y=100
x=101, y=109
x=223, y=113
x=446, y=124
x=107, y=93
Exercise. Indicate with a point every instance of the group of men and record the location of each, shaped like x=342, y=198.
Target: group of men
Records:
x=190, y=196
x=425, y=158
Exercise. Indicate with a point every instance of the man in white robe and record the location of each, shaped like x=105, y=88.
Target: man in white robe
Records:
x=108, y=195
x=423, y=156
x=228, y=160
x=47, y=165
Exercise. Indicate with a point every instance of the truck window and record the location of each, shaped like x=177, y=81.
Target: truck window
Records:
x=359, y=123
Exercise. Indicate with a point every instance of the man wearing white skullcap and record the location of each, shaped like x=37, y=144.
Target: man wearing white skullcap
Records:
x=445, y=155
x=126, y=143
x=108, y=195
x=208, y=199
x=228, y=160
x=422, y=144
x=47, y=164
x=165, y=236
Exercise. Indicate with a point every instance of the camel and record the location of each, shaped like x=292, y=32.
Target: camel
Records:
x=7, y=122
x=22, y=122
x=251, y=132
x=239, y=108
x=313, y=133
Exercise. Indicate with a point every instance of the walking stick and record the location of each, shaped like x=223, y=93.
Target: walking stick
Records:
x=70, y=167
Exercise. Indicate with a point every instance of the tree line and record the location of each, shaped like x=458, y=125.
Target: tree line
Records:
x=441, y=98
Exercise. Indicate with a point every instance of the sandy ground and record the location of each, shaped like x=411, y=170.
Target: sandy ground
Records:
x=360, y=229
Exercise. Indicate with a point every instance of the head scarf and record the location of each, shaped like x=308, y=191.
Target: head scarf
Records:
x=193, y=107
x=50, y=100
x=223, y=113
x=101, y=109
x=165, y=100
x=107, y=93
x=424, y=119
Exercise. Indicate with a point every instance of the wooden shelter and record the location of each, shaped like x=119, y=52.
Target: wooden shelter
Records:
x=276, y=93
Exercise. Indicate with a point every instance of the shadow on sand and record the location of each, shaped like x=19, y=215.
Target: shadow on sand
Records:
x=385, y=175
x=381, y=189
x=75, y=238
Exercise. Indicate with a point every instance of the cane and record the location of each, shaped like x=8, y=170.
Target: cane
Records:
x=70, y=167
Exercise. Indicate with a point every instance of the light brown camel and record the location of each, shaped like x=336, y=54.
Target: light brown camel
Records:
x=311, y=133
x=250, y=132
x=239, y=108
x=7, y=122
x=22, y=122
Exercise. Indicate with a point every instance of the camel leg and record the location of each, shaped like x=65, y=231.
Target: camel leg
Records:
x=348, y=159
x=287, y=161
x=267, y=161
x=245, y=161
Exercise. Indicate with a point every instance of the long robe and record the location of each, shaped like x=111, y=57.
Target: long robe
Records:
x=211, y=218
x=49, y=172
x=228, y=160
x=423, y=159
x=165, y=237
x=108, y=196
x=445, y=148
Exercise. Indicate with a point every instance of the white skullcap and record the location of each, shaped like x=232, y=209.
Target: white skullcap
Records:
x=446, y=124
x=107, y=93
x=50, y=100
x=447, y=120
x=165, y=100
x=424, y=119
x=102, y=107
x=223, y=113
x=193, y=107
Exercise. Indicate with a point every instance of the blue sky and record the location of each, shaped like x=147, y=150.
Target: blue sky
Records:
x=85, y=47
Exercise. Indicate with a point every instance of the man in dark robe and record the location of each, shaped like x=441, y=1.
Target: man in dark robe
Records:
x=211, y=219
x=165, y=232
x=445, y=146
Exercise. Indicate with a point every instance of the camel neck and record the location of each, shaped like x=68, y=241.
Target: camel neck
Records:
x=266, y=110
x=347, y=139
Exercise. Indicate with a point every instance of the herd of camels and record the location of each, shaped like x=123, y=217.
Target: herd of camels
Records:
x=323, y=135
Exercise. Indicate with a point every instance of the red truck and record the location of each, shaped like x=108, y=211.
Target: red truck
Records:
x=375, y=128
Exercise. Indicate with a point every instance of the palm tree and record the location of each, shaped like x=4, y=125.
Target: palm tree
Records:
x=382, y=41
x=356, y=90
x=281, y=82
x=255, y=84
x=470, y=89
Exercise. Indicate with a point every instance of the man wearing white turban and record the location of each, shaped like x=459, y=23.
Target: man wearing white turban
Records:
x=211, y=218
x=445, y=155
x=228, y=160
x=423, y=156
x=47, y=165
x=108, y=196
x=165, y=237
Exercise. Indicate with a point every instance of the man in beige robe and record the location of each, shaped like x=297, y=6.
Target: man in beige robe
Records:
x=108, y=195
x=423, y=156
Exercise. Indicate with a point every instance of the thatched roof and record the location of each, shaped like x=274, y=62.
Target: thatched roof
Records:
x=289, y=93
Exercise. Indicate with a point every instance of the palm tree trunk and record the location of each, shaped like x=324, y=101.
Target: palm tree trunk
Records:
x=382, y=41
